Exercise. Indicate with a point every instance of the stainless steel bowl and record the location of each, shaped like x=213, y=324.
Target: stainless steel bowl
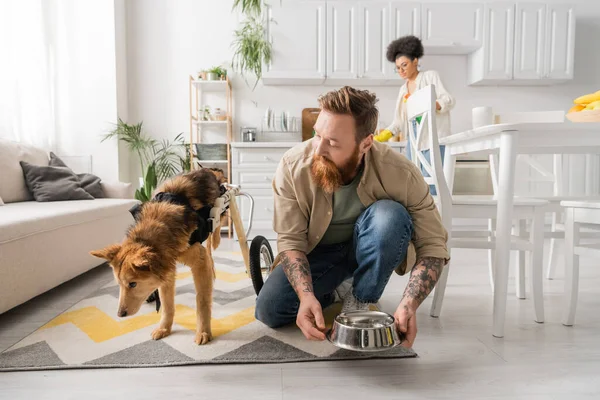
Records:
x=364, y=331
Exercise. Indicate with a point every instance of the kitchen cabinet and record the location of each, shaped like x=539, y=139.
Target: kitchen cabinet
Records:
x=373, y=39
x=524, y=44
x=494, y=60
x=560, y=42
x=357, y=37
x=342, y=40
x=345, y=42
x=451, y=28
x=529, y=41
x=297, y=32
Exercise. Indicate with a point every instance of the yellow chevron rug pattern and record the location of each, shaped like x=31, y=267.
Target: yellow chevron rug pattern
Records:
x=90, y=335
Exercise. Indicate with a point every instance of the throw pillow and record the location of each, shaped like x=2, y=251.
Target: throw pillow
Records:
x=48, y=183
x=89, y=182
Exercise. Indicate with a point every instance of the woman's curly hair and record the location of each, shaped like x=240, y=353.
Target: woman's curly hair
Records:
x=409, y=46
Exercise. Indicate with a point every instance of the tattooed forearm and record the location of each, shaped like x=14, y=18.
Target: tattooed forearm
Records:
x=423, y=278
x=296, y=268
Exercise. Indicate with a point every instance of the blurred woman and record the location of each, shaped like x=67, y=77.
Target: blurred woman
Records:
x=405, y=53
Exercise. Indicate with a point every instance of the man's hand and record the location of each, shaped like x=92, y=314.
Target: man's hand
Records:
x=406, y=323
x=310, y=319
x=423, y=278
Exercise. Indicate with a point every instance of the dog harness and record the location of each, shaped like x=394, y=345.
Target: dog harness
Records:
x=203, y=214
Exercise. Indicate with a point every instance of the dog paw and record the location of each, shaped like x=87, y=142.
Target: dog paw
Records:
x=160, y=333
x=202, y=338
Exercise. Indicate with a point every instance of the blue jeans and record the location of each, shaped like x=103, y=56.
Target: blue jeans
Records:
x=426, y=154
x=379, y=245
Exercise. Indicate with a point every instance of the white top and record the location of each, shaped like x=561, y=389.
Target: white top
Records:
x=446, y=101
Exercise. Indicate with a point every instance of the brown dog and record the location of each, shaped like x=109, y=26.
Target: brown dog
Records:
x=163, y=235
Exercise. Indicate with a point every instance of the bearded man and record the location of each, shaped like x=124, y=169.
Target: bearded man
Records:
x=348, y=207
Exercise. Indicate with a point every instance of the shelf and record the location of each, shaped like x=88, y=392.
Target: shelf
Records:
x=210, y=122
x=211, y=161
x=210, y=86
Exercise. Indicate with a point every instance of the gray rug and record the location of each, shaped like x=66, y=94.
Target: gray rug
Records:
x=90, y=335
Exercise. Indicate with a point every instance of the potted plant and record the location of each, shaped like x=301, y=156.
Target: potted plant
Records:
x=202, y=75
x=215, y=74
x=159, y=160
x=251, y=47
x=204, y=113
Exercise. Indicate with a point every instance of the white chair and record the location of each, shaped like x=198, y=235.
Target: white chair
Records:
x=579, y=214
x=422, y=103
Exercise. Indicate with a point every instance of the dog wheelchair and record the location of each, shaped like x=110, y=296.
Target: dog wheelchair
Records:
x=258, y=258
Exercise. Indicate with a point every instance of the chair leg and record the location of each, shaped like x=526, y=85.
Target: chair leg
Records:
x=571, y=268
x=537, y=264
x=553, y=255
x=520, y=265
x=492, y=229
x=439, y=291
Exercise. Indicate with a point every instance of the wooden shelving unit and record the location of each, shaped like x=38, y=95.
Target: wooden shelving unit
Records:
x=197, y=89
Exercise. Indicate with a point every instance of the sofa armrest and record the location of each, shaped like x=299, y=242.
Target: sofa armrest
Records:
x=117, y=190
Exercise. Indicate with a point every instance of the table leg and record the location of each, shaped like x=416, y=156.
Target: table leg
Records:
x=506, y=187
x=449, y=164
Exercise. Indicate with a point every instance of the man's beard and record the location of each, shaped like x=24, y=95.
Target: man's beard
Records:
x=328, y=177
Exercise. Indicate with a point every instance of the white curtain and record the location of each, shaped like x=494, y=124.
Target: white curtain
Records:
x=27, y=73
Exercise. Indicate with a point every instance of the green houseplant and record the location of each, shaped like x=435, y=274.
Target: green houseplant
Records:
x=248, y=7
x=159, y=160
x=251, y=48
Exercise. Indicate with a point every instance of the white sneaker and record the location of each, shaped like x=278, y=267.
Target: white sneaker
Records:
x=351, y=303
x=342, y=290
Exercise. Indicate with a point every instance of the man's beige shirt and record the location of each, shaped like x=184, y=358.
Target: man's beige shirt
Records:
x=303, y=211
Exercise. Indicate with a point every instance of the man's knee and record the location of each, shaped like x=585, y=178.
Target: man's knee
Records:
x=388, y=218
x=272, y=312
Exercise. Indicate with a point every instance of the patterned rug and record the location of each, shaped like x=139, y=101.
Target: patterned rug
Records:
x=90, y=335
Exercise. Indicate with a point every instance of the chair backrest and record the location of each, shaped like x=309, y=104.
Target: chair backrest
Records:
x=422, y=104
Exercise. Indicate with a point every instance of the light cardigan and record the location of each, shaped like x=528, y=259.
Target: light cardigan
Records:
x=446, y=101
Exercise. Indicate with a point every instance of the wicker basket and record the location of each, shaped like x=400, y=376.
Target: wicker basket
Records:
x=211, y=151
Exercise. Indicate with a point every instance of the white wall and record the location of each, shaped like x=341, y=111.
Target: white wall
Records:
x=86, y=99
x=168, y=40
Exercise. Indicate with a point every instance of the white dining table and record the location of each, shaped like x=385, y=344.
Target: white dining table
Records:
x=507, y=141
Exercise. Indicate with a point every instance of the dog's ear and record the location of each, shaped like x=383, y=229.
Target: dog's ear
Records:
x=108, y=253
x=136, y=210
x=142, y=260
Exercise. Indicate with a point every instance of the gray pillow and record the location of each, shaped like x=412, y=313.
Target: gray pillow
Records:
x=48, y=183
x=89, y=182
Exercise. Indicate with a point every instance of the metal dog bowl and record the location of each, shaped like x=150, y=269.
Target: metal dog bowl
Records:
x=364, y=331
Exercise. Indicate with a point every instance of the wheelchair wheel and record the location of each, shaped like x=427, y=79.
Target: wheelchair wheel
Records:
x=261, y=262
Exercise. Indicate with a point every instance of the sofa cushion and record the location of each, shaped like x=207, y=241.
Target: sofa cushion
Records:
x=18, y=220
x=12, y=183
x=89, y=182
x=48, y=183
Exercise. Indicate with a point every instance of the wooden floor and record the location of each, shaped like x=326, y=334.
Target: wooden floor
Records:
x=459, y=358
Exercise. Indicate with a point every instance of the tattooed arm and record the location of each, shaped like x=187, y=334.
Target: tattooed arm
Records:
x=296, y=268
x=310, y=315
x=423, y=278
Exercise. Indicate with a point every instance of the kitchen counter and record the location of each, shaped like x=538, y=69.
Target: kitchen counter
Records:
x=292, y=144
